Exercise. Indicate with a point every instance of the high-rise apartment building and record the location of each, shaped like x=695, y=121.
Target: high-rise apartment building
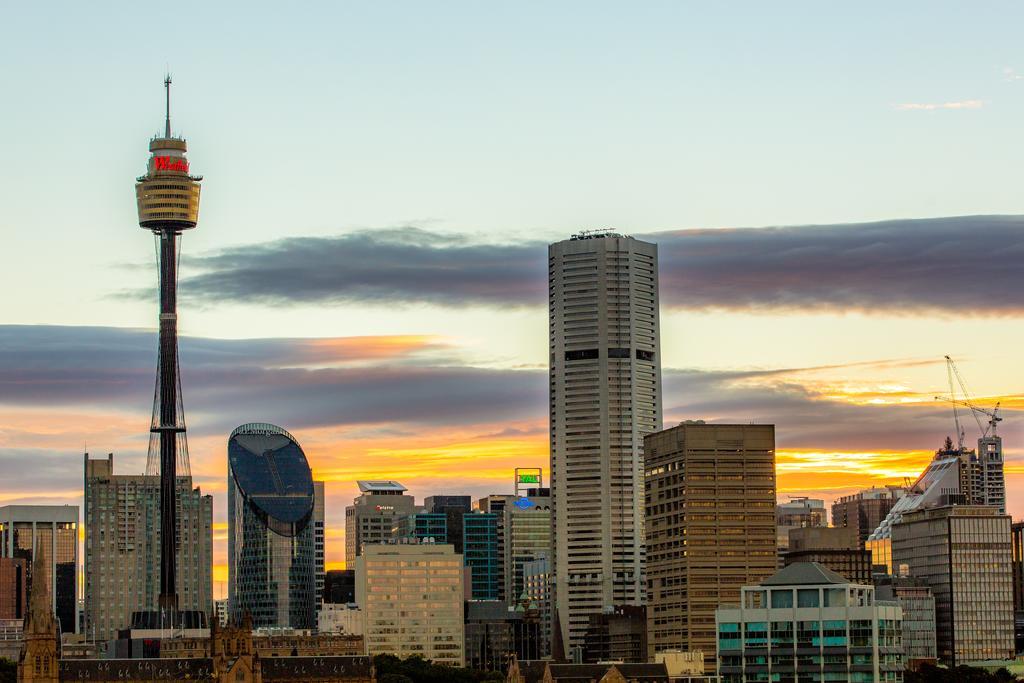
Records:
x=373, y=516
x=963, y=553
x=807, y=623
x=50, y=531
x=865, y=510
x=605, y=396
x=122, y=547
x=319, y=521
x=537, y=587
x=710, y=527
x=411, y=598
x=271, y=539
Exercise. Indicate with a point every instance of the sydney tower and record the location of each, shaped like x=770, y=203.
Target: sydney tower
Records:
x=168, y=201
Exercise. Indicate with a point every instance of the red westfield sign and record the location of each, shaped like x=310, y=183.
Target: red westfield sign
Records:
x=170, y=164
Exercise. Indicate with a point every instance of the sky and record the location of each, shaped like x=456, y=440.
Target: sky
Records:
x=835, y=192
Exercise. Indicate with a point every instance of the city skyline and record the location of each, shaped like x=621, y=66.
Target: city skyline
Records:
x=857, y=316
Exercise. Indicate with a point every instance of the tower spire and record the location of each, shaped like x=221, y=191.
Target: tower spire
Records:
x=167, y=125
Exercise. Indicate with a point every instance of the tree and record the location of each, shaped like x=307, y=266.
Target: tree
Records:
x=8, y=671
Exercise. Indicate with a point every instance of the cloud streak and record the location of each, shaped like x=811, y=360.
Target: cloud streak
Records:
x=899, y=266
x=934, y=106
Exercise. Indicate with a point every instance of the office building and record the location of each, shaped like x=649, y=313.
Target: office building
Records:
x=963, y=553
x=271, y=555
x=918, y=604
x=411, y=597
x=123, y=546
x=537, y=589
x=605, y=396
x=865, y=510
x=710, y=527
x=618, y=634
x=220, y=611
x=319, y=525
x=797, y=513
x=955, y=476
x=835, y=548
x=806, y=623
x=373, y=515
x=494, y=633
x=340, y=586
x=50, y=531
x=473, y=535
x=13, y=588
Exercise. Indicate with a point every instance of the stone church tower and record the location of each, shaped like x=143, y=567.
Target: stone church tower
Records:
x=38, y=661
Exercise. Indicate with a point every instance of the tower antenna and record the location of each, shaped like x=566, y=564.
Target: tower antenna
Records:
x=167, y=86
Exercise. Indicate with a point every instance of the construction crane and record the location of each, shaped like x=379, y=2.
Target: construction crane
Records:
x=976, y=410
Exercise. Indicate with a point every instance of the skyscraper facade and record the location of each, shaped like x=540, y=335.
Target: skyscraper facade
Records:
x=963, y=553
x=866, y=509
x=50, y=531
x=605, y=396
x=271, y=539
x=710, y=527
x=123, y=546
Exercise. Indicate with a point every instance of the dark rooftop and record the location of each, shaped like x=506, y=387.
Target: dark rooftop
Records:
x=331, y=668
x=135, y=669
x=804, y=574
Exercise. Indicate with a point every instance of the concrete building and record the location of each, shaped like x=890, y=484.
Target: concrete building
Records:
x=605, y=396
x=220, y=611
x=710, y=527
x=52, y=532
x=339, y=618
x=319, y=525
x=373, y=515
x=527, y=536
x=122, y=547
x=918, y=604
x=963, y=553
x=807, y=623
x=797, y=513
x=411, y=596
x=836, y=548
x=865, y=510
x=618, y=634
x=271, y=532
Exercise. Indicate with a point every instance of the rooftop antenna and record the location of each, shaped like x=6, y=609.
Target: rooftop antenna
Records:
x=167, y=85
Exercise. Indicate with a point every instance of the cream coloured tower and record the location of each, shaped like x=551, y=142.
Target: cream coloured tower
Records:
x=605, y=392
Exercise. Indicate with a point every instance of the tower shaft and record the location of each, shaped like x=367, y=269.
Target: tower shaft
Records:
x=168, y=427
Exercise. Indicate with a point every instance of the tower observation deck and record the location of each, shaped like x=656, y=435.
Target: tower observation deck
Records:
x=168, y=204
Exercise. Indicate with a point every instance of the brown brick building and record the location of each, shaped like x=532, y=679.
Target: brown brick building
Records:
x=710, y=527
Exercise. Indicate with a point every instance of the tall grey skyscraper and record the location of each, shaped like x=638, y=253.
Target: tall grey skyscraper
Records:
x=123, y=548
x=605, y=389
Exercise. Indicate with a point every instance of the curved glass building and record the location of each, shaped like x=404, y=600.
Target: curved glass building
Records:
x=271, y=560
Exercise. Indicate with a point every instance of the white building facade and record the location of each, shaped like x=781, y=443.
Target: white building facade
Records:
x=605, y=396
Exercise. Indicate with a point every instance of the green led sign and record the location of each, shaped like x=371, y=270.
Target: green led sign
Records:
x=529, y=478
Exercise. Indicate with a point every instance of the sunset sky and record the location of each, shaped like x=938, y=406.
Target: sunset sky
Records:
x=835, y=192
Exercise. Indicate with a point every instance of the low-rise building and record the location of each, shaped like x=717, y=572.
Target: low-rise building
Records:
x=837, y=548
x=494, y=633
x=918, y=604
x=808, y=623
x=617, y=634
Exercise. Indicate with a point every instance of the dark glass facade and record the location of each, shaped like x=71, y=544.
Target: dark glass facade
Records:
x=271, y=555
